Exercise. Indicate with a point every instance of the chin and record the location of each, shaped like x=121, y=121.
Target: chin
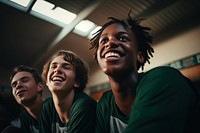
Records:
x=22, y=101
x=111, y=71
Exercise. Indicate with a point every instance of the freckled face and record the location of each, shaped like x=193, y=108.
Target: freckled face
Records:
x=61, y=75
x=117, y=51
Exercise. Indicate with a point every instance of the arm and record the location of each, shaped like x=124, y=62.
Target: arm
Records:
x=103, y=113
x=163, y=100
x=100, y=128
x=83, y=117
x=28, y=123
x=45, y=121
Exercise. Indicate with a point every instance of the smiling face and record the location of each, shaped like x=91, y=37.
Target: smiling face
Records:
x=61, y=76
x=24, y=87
x=117, y=51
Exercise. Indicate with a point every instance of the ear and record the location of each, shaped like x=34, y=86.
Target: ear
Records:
x=140, y=57
x=40, y=86
x=76, y=84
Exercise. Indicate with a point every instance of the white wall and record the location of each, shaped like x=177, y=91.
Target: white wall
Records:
x=175, y=48
x=96, y=76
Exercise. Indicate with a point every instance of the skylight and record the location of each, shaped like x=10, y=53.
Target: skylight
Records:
x=84, y=27
x=50, y=10
x=94, y=31
x=54, y=14
x=23, y=3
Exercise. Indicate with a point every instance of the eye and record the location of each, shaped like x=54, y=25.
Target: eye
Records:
x=66, y=66
x=123, y=38
x=52, y=66
x=24, y=80
x=13, y=85
x=103, y=41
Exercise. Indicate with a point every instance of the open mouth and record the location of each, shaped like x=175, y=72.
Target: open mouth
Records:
x=112, y=54
x=57, y=78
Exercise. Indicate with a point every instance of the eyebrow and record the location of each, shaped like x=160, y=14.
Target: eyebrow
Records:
x=66, y=63
x=118, y=33
x=25, y=77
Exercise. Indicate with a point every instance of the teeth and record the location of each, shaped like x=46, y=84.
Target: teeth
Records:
x=111, y=54
x=57, y=79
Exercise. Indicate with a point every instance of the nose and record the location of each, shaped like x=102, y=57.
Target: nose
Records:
x=57, y=70
x=112, y=43
x=18, y=84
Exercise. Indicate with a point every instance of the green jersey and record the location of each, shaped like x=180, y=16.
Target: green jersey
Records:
x=81, y=118
x=165, y=103
x=109, y=117
x=28, y=124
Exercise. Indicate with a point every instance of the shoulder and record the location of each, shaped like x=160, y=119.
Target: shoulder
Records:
x=11, y=129
x=106, y=98
x=16, y=122
x=83, y=104
x=163, y=70
x=48, y=104
x=107, y=95
x=24, y=113
x=25, y=117
x=48, y=100
x=161, y=80
x=82, y=99
x=160, y=76
x=160, y=73
x=105, y=106
x=81, y=96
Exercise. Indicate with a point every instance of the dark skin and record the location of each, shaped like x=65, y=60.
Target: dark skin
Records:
x=117, y=55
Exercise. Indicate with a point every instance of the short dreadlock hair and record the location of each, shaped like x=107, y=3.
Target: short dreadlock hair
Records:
x=141, y=33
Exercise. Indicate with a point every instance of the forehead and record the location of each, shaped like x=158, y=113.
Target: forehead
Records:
x=59, y=60
x=20, y=75
x=116, y=27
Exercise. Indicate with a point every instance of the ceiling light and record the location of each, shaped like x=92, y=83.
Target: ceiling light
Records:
x=23, y=3
x=50, y=10
x=94, y=31
x=84, y=27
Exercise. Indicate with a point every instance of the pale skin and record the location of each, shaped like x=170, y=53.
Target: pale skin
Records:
x=27, y=92
x=117, y=55
x=61, y=83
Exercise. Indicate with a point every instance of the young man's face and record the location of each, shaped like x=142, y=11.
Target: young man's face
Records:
x=61, y=76
x=117, y=51
x=24, y=88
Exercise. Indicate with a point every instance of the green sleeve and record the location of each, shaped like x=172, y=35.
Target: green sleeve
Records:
x=102, y=113
x=28, y=123
x=83, y=116
x=100, y=120
x=24, y=125
x=45, y=116
x=162, y=102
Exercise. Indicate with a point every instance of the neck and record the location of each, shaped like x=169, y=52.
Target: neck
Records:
x=124, y=82
x=124, y=90
x=34, y=107
x=63, y=105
